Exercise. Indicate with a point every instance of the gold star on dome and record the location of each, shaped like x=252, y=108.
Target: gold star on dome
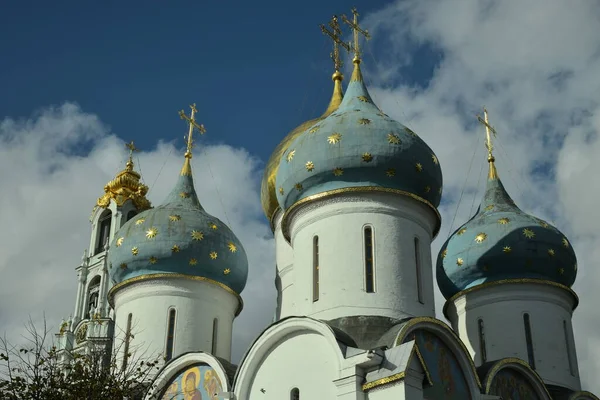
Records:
x=427, y=189
x=309, y=166
x=212, y=226
x=393, y=138
x=298, y=186
x=381, y=114
x=460, y=262
x=528, y=233
x=364, y=99
x=419, y=167
x=489, y=207
x=153, y=260
x=213, y=255
x=367, y=157
x=314, y=129
x=175, y=248
x=561, y=271
x=290, y=155
x=461, y=231
x=334, y=138
x=507, y=249
x=434, y=159
x=338, y=171
x=226, y=271
x=280, y=190
x=444, y=253
x=193, y=261
x=232, y=247
x=151, y=233
x=543, y=223
x=364, y=121
x=197, y=235
x=123, y=265
x=140, y=221
x=565, y=242
x=175, y=217
x=390, y=172
x=503, y=221
x=480, y=237
x=184, y=195
x=409, y=131
x=120, y=241
x=551, y=252
x=135, y=251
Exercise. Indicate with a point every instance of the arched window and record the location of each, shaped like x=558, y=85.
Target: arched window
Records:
x=170, y=334
x=418, y=271
x=529, y=340
x=568, y=347
x=131, y=214
x=315, y=268
x=295, y=394
x=93, y=295
x=481, y=332
x=127, y=339
x=103, y=230
x=214, y=336
x=369, y=263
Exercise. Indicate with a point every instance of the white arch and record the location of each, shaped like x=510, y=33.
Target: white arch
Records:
x=522, y=368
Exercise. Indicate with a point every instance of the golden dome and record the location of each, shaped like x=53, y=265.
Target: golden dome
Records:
x=268, y=195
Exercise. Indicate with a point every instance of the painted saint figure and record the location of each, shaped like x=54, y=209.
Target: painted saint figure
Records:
x=212, y=384
x=190, y=390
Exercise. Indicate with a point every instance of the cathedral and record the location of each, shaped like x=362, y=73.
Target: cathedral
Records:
x=351, y=198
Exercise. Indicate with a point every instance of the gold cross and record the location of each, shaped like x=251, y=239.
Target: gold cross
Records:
x=193, y=124
x=489, y=130
x=131, y=148
x=335, y=35
x=356, y=30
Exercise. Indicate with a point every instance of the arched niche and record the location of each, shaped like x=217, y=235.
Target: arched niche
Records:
x=103, y=227
x=451, y=369
x=92, y=295
x=513, y=378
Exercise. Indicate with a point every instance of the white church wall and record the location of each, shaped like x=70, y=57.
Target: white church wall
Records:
x=197, y=304
x=339, y=223
x=502, y=309
x=284, y=258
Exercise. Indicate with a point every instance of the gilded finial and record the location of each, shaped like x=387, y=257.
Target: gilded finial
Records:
x=356, y=29
x=489, y=131
x=187, y=169
x=132, y=149
x=335, y=34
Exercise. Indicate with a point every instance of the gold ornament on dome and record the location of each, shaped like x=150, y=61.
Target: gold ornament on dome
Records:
x=213, y=255
x=135, y=251
x=427, y=189
x=123, y=266
x=226, y=271
x=507, y=249
x=551, y=252
x=382, y=114
x=184, y=195
x=444, y=253
x=528, y=233
x=281, y=190
x=175, y=248
x=434, y=159
x=503, y=221
x=489, y=207
x=212, y=226
x=367, y=157
x=151, y=233
x=460, y=262
x=393, y=138
x=334, y=138
x=140, y=221
x=409, y=131
x=364, y=99
x=298, y=186
x=314, y=129
x=390, y=172
x=290, y=155
x=126, y=186
x=364, y=121
x=153, y=260
x=419, y=167
x=197, y=235
x=565, y=242
x=461, y=231
x=543, y=223
x=174, y=217
x=309, y=166
x=193, y=261
x=561, y=271
x=338, y=171
x=120, y=241
x=440, y=190
x=480, y=238
x=232, y=247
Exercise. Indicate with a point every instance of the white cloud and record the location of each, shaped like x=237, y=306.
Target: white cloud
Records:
x=48, y=192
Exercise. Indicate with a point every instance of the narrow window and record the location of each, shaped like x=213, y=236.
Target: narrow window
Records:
x=170, y=334
x=315, y=268
x=481, y=340
x=214, y=337
x=295, y=394
x=370, y=284
x=93, y=295
x=566, y=331
x=103, y=231
x=418, y=271
x=529, y=341
x=127, y=339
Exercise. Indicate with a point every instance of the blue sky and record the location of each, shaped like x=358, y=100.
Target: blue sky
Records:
x=254, y=69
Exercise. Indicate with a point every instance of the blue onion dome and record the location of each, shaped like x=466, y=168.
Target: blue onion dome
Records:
x=358, y=147
x=501, y=242
x=179, y=237
x=268, y=193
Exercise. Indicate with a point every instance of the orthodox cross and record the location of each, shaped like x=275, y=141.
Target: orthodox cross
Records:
x=356, y=29
x=132, y=149
x=489, y=131
x=193, y=124
x=335, y=35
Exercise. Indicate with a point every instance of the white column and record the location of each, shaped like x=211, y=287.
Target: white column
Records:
x=103, y=283
x=81, y=278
